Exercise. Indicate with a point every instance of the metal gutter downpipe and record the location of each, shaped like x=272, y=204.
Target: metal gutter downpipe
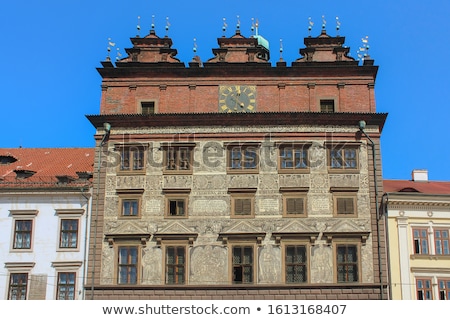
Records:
x=362, y=126
x=107, y=128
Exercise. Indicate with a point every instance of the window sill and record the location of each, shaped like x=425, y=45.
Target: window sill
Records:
x=430, y=256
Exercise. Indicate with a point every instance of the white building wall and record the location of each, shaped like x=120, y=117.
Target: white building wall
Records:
x=45, y=256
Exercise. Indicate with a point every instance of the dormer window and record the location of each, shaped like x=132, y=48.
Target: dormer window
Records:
x=65, y=179
x=7, y=159
x=23, y=174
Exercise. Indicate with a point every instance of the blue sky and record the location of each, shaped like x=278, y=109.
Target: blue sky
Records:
x=51, y=49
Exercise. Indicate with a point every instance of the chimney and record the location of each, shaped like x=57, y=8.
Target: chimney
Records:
x=420, y=175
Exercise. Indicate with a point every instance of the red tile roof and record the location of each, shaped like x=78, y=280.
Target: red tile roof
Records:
x=426, y=187
x=45, y=165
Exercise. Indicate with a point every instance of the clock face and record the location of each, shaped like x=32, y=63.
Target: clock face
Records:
x=237, y=98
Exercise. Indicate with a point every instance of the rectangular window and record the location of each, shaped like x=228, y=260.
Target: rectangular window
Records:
x=327, y=105
x=243, y=158
x=242, y=264
x=22, y=234
x=294, y=205
x=444, y=289
x=345, y=204
x=347, y=263
x=420, y=237
x=128, y=265
x=293, y=158
x=296, y=264
x=130, y=207
x=18, y=285
x=178, y=159
x=424, y=289
x=343, y=158
x=148, y=107
x=242, y=205
x=175, y=265
x=69, y=233
x=441, y=241
x=176, y=207
x=66, y=286
x=132, y=158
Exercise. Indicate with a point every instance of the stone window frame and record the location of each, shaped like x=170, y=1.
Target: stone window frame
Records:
x=128, y=244
x=23, y=215
x=178, y=243
x=337, y=243
x=322, y=102
x=348, y=194
x=177, y=148
x=294, y=193
x=66, y=267
x=242, y=194
x=421, y=291
x=143, y=102
x=343, y=145
x=243, y=244
x=294, y=145
x=418, y=246
x=243, y=146
x=130, y=195
x=23, y=268
x=444, y=241
x=133, y=148
x=299, y=242
x=69, y=214
x=176, y=195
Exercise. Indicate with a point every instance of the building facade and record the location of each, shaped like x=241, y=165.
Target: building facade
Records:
x=235, y=179
x=418, y=215
x=45, y=196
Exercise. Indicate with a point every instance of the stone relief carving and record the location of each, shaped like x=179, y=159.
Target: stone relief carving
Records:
x=208, y=182
x=177, y=181
x=268, y=181
x=317, y=157
x=320, y=183
x=320, y=204
x=321, y=264
x=152, y=265
x=107, y=275
x=266, y=206
x=153, y=183
x=208, y=265
x=130, y=182
x=344, y=180
x=294, y=180
x=363, y=158
x=111, y=206
x=209, y=207
x=242, y=181
x=269, y=264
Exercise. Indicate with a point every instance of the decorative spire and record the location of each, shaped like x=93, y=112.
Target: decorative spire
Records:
x=238, y=23
x=311, y=23
x=119, y=55
x=253, y=26
x=363, y=51
x=224, y=26
x=281, y=49
x=167, y=26
x=110, y=44
x=138, y=26
x=195, y=46
x=338, y=26
x=153, y=23
x=324, y=23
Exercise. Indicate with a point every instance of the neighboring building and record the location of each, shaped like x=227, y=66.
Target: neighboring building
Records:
x=236, y=179
x=418, y=224
x=45, y=196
